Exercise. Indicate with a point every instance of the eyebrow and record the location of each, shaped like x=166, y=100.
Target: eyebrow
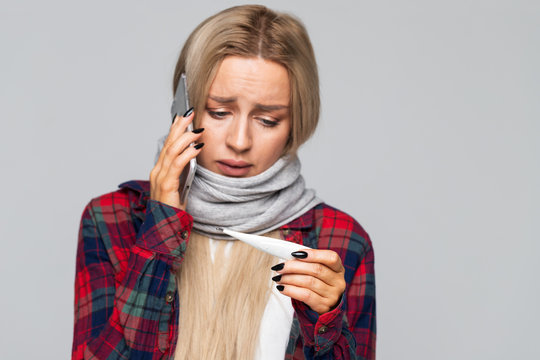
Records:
x=224, y=100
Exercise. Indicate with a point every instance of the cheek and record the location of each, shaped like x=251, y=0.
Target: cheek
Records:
x=277, y=144
x=209, y=135
x=212, y=137
x=283, y=138
x=205, y=156
x=201, y=121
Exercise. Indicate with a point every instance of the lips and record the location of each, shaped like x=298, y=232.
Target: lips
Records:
x=230, y=167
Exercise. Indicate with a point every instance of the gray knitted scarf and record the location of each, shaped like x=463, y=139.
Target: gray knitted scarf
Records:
x=255, y=205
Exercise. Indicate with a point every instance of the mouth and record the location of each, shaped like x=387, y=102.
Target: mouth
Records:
x=234, y=168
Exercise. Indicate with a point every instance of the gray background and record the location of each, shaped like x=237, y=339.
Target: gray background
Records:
x=428, y=137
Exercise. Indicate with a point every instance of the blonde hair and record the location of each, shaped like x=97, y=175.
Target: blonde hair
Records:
x=255, y=31
x=221, y=301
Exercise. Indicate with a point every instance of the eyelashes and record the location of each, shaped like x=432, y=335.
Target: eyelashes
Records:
x=268, y=123
x=221, y=115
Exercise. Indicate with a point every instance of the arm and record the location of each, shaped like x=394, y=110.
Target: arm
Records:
x=346, y=330
x=126, y=315
x=361, y=307
x=349, y=330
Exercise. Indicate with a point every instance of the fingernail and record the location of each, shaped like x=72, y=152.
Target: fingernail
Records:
x=299, y=254
x=187, y=113
x=198, y=131
x=198, y=146
x=280, y=287
x=277, y=278
x=278, y=267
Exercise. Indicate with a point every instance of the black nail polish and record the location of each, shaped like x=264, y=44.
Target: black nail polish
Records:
x=299, y=254
x=187, y=113
x=198, y=131
x=198, y=146
x=278, y=267
x=277, y=278
x=280, y=287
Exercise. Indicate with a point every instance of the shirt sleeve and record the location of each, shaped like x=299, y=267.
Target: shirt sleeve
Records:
x=349, y=330
x=126, y=315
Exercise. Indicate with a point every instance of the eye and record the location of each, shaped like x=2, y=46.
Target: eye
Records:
x=268, y=122
x=219, y=115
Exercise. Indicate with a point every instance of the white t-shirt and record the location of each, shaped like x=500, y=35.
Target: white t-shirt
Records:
x=275, y=323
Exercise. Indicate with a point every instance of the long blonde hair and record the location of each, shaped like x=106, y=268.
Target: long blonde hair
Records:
x=255, y=31
x=221, y=300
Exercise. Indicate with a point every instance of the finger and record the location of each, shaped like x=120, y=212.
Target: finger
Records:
x=172, y=178
x=167, y=188
x=167, y=155
x=313, y=300
x=178, y=127
x=308, y=282
x=329, y=258
x=318, y=270
x=175, y=149
x=167, y=141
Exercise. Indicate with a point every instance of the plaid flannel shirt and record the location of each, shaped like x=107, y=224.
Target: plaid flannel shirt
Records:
x=126, y=300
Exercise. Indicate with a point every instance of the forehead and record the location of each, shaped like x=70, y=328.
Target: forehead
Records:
x=252, y=79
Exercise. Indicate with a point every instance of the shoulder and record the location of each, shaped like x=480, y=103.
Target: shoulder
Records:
x=338, y=230
x=109, y=226
x=130, y=196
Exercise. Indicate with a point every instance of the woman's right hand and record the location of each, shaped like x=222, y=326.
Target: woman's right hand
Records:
x=175, y=155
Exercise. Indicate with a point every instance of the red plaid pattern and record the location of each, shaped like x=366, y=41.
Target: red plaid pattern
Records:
x=126, y=301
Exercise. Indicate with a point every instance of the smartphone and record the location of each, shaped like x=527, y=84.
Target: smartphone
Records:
x=179, y=106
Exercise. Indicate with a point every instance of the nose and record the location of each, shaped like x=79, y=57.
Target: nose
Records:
x=239, y=135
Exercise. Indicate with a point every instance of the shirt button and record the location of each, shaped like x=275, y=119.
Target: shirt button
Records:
x=323, y=329
x=286, y=232
x=184, y=234
x=169, y=297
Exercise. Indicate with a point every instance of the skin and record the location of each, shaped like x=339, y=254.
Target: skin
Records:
x=247, y=115
x=318, y=280
x=246, y=128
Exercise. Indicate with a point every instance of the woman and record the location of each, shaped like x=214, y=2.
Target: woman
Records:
x=155, y=279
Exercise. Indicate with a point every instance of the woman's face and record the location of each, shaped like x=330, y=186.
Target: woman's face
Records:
x=247, y=118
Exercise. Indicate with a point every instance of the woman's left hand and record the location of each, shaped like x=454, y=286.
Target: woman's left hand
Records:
x=317, y=279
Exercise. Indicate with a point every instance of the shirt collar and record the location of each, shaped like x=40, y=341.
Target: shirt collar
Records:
x=142, y=188
x=303, y=221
